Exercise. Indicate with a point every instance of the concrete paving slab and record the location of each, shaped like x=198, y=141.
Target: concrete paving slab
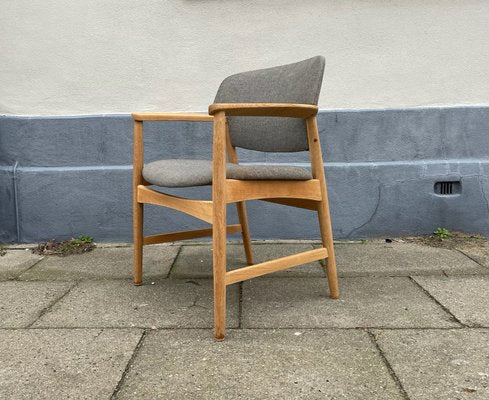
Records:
x=439, y=364
x=196, y=261
x=14, y=262
x=21, y=303
x=477, y=251
x=118, y=244
x=466, y=297
x=258, y=364
x=104, y=263
x=401, y=259
x=364, y=302
x=21, y=246
x=167, y=304
x=63, y=364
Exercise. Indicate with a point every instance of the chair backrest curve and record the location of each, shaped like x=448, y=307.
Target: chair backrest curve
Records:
x=298, y=83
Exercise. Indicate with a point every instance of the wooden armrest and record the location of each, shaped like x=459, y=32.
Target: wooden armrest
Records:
x=156, y=116
x=265, y=109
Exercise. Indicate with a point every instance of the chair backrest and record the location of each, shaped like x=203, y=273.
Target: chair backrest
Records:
x=298, y=83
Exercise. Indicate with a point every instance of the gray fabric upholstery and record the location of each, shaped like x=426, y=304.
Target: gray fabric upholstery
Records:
x=292, y=83
x=267, y=172
x=185, y=173
x=178, y=173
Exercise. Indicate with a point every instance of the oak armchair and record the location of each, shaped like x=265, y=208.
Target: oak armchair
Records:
x=270, y=110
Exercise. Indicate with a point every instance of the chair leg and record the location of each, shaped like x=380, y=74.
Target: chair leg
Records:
x=327, y=239
x=138, y=242
x=219, y=262
x=323, y=209
x=245, y=231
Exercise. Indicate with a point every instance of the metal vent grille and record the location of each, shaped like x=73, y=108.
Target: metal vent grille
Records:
x=448, y=188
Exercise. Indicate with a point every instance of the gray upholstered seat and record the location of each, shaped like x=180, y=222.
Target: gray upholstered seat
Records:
x=185, y=173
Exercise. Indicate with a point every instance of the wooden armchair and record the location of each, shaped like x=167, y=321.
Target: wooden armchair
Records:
x=272, y=110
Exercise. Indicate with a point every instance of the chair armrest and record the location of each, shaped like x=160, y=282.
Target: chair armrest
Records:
x=265, y=109
x=156, y=116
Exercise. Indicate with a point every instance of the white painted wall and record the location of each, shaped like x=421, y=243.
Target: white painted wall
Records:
x=106, y=56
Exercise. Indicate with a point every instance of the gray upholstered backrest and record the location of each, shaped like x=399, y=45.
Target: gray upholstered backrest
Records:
x=298, y=83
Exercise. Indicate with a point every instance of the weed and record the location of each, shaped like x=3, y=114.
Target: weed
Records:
x=85, y=239
x=442, y=233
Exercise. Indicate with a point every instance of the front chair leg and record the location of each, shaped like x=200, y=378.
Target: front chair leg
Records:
x=219, y=223
x=219, y=262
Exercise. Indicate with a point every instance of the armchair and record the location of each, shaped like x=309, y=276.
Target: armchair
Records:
x=273, y=109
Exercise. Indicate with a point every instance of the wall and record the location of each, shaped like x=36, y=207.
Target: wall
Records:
x=109, y=56
x=63, y=176
x=405, y=104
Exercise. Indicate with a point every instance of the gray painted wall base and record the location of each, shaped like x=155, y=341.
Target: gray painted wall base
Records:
x=73, y=175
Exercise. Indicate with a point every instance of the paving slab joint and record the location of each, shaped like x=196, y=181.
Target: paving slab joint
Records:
x=471, y=258
x=17, y=277
x=388, y=365
x=452, y=316
x=128, y=365
x=48, y=308
x=168, y=275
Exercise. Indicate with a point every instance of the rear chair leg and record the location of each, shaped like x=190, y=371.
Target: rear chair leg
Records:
x=327, y=240
x=138, y=243
x=323, y=206
x=245, y=231
x=137, y=208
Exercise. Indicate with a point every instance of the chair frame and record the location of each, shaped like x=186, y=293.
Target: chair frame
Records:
x=310, y=194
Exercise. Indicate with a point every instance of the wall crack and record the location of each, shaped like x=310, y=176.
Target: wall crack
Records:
x=379, y=190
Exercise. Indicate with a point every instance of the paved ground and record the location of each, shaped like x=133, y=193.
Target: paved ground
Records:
x=412, y=323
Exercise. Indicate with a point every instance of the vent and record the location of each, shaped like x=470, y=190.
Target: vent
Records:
x=448, y=188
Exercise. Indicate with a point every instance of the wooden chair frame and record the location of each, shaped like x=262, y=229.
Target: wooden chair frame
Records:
x=310, y=194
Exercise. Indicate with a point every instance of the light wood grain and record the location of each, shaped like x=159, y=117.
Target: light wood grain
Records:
x=184, y=235
x=299, y=203
x=317, y=169
x=159, y=116
x=201, y=209
x=277, y=264
x=240, y=206
x=237, y=190
x=245, y=233
x=137, y=208
x=264, y=109
x=219, y=224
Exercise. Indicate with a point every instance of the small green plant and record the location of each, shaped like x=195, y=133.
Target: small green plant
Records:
x=76, y=244
x=86, y=238
x=82, y=239
x=442, y=233
x=2, y=251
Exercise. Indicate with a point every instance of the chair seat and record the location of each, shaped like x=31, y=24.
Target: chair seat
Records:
x=185, y=173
